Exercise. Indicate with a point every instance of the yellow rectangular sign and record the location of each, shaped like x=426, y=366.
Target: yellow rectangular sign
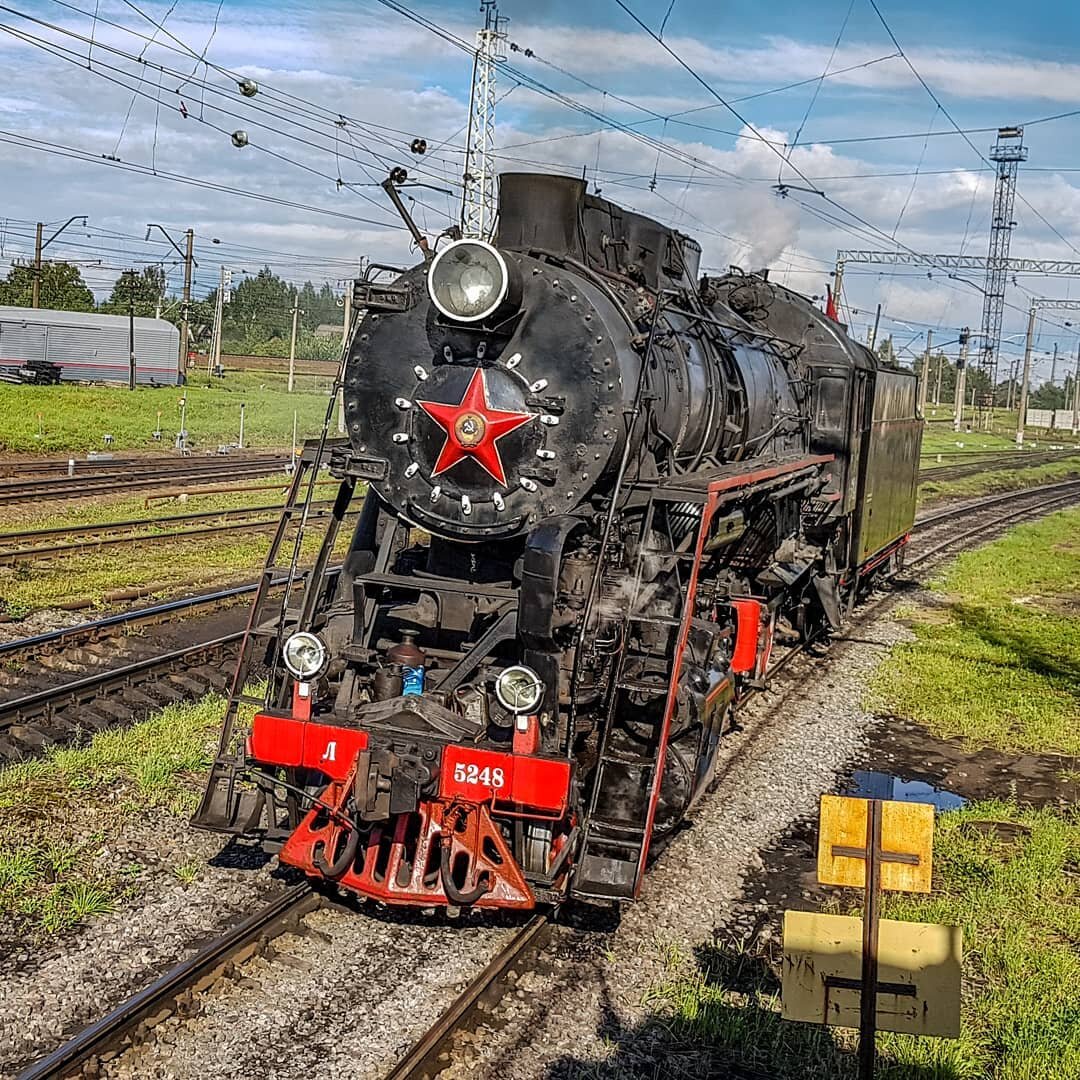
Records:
x=921, y=963
x=907, y=830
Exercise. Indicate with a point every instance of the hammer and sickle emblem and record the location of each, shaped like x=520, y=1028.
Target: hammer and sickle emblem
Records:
x=469, y=429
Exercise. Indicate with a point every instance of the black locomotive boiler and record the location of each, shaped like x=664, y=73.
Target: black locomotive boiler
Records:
x=597, y=490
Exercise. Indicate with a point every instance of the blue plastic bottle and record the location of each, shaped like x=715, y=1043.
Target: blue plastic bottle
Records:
x=413, y=680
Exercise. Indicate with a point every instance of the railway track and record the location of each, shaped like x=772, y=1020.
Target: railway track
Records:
x=33, y=544
x=132, y=1022
x=1025, y=459
x=110, y=674
x=86, y=483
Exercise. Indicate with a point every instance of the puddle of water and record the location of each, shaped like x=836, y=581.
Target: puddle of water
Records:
x=880, y=785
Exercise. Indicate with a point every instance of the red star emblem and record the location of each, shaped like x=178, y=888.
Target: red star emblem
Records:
x=473, y=428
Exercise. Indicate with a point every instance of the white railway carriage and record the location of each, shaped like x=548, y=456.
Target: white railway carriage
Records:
x=89, y=347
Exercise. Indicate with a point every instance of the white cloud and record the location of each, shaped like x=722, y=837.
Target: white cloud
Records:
x=395, y=74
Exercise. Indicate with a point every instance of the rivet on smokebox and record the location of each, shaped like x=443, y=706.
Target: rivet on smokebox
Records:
x=412, y=470
x=436, y=491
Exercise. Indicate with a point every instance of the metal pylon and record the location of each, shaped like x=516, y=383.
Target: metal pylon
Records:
x=1008, y=152
x=478, y=195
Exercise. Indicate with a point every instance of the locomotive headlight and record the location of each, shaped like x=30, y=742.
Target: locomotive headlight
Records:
x=468, y=280
x=304, y=655
x=519, y=689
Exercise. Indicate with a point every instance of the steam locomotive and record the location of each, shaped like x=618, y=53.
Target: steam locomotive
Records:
x=597, y=492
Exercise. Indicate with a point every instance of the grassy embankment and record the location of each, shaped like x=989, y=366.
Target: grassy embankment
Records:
x=940, y=440
x=166, y=566
x=75, y=419
x=994, y=480
x=995, y=660
x=65, y=817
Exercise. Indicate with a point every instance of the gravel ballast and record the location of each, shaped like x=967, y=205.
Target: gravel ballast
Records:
x=349, y=993
x=583, y=1016
x=50, y=990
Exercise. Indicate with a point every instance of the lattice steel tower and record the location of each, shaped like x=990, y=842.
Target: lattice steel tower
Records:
x=1008, y=152
x=478, y=195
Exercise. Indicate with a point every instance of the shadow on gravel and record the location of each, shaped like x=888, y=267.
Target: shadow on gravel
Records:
x=721, y=1020
x=237, y=856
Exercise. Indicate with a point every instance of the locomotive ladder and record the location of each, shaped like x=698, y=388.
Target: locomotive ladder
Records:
x=270, y=621
x=628, y=770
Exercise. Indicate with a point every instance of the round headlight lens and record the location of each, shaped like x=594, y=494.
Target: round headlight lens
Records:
x=468, y=280
x=519, y=689
x=304, y=655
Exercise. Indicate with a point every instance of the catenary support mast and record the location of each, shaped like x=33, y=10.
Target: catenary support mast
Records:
x=478, y=195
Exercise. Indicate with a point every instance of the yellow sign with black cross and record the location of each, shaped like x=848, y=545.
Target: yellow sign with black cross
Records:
x=918, y=973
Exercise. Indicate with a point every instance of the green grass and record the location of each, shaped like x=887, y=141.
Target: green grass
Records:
x=997, y=658
x=62, y=813
x=59, y=514
x=1018, y=901
x=995, y=480
x=68, y=418
x=166, y=566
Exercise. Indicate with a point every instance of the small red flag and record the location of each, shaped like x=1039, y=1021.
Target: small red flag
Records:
x=830, y=305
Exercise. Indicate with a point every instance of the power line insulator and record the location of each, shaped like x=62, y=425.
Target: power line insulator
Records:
x=398, y=175
x=418, y=146
x=239, y=138
x=248, y=87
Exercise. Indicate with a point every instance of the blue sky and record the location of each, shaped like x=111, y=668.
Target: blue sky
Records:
x=390, y=79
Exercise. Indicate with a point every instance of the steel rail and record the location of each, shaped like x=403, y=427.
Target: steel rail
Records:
x=1003, y=461
x=16, y=555
x=421, y=1062
x=70, y=634
x=981, y=503
x=168, y=466
x=89, y=686
x=63, y=488
x=951, y=541
x=113, y=1033
x=30, y=535
x=44, y=468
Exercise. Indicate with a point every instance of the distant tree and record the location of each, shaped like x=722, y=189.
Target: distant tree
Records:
x=1052, y=397
x=62, y=288
x=257, y=321
x=260, y=308
x=144, y=290
x=886, y=352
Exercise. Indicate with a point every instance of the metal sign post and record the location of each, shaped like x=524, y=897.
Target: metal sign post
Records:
x=875, y=973
x=870, y=928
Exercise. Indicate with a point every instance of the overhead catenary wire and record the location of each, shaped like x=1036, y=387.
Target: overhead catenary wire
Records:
x=948, y=116
x=688, y=179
